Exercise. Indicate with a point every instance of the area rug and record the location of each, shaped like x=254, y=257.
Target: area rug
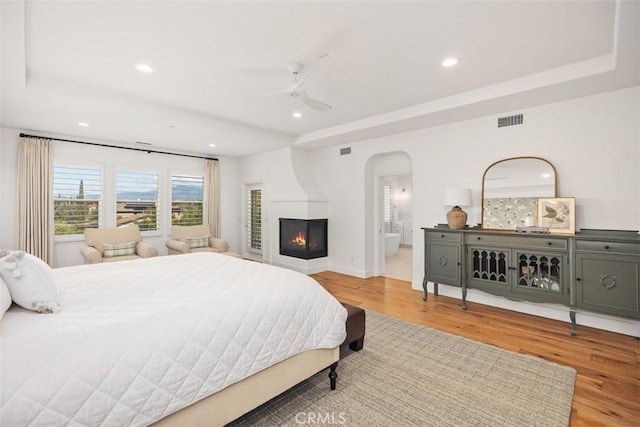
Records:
x=412, y=375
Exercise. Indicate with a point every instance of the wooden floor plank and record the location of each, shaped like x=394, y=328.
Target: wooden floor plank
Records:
x=608, y=384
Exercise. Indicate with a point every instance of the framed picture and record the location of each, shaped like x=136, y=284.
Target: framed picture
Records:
x=558, y=214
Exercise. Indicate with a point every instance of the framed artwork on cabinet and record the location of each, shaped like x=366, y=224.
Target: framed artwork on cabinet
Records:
x=558, y=214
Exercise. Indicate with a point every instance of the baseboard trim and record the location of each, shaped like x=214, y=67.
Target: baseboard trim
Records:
x=621, y=325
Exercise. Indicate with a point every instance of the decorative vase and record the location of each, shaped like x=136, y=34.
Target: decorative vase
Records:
x=457, y=218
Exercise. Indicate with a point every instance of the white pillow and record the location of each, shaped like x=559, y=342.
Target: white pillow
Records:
x=198, y=242
x=31, y=282
x=5, y=298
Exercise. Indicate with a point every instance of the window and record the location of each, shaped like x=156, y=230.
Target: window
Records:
x=77, y=199
x=254, y=219
x=387, y=203
x=137, y=199
x=186, y=199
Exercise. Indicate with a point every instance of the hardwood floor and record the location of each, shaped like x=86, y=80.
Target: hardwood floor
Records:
x=607, y=391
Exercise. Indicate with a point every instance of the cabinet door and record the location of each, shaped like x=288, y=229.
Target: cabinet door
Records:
x=608, y=284
x=444, y=263
x=540, y=276
x=487, y=269
x=408, y=235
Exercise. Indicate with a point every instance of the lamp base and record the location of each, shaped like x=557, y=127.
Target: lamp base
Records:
x=456, y=218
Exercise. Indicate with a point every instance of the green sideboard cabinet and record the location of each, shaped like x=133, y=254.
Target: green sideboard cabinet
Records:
x=597, y=271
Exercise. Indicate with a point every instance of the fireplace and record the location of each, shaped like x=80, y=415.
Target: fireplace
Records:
x=303, y=238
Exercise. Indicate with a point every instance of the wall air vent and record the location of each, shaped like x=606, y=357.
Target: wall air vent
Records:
x=345, y=151
x=518, y=119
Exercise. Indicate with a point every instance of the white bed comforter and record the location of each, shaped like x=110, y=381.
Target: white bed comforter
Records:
x=138, y=340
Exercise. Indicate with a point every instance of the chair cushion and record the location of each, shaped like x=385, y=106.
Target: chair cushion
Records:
x=182, y=232
x=119, y=249
x=198, y=242
x=97, y=236
x=204, y=249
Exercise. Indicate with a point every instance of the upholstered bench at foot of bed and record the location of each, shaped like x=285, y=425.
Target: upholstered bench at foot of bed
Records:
x=355, y=327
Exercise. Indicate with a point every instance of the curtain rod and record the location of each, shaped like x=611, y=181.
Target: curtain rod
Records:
x=24, y=135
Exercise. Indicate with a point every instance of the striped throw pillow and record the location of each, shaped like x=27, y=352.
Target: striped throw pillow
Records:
x=198, y=242
x=119, y=249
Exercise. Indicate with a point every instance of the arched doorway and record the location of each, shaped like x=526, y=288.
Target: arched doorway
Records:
x=389, y=217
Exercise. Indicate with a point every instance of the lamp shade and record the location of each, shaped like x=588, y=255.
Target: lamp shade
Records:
x=457, y=197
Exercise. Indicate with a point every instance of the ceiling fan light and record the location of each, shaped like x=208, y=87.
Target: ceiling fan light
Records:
x=449, y=62
x=144, y=68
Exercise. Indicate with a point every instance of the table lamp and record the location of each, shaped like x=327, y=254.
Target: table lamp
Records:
x=456, y=197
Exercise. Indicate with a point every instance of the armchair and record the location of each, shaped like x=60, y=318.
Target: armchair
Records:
x=194, y=238
x=115, y=244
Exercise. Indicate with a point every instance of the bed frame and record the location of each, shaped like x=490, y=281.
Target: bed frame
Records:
x=241, y=397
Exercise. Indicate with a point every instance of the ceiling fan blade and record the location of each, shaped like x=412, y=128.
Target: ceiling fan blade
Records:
x=315, y=72
x=315, y=104
x=285, y=90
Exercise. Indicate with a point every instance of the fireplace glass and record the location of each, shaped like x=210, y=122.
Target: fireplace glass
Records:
x=303, y=238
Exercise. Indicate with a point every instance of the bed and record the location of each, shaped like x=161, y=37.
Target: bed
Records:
x=194, y=339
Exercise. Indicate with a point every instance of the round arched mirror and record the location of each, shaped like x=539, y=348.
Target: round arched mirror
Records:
x=510, y=189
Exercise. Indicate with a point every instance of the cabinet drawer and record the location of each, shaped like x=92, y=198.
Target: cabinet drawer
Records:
x=519, y=241
x=444, y=237
x=608, y=247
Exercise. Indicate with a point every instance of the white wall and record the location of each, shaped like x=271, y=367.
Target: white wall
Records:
x=289, y=190
x=67, y=251
x=594, y=143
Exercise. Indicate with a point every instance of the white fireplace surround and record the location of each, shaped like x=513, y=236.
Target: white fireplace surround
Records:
x=301, y=208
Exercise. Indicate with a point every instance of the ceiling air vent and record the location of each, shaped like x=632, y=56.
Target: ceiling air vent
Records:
x=143, y=143
x=518, y=119
x=344, y=151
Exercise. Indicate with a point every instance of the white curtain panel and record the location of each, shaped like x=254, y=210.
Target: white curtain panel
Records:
x=35, y=198
x=212, y=190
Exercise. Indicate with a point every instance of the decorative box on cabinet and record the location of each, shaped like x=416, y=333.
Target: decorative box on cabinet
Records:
x=597, y=271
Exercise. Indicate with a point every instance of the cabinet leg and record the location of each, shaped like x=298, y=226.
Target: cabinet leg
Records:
x=435, y=288
x=424, y=286
x=464, y=297
x=572, y=315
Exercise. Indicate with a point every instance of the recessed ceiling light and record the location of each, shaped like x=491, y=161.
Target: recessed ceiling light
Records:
x=296, y=114
x=546, y=175
x=144, y=68
x=212, y=145
x=83, y=124
x=449, y=62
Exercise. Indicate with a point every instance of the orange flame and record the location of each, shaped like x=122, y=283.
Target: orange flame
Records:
x=299, y=239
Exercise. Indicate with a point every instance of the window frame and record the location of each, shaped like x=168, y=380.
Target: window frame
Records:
x=160, y=221
x=169, y=209
x=250, y=250
x=387, y=205
x=101, y=200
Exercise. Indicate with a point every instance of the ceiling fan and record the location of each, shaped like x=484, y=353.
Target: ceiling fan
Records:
x=302, y=81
